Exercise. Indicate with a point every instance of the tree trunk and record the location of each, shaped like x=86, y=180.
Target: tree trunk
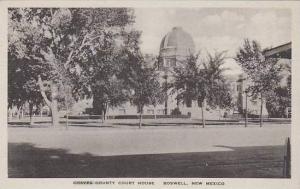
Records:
x=19, y=113
x=140, y=122
x=54, y=113
x=67, y=119
x=67, y=115
x=19, y=109
x=103, y=112
x=51, y=104
x=202, y=111
x=141, y=114
x=246, y=111
x=102, y=116
x=22, y=112
x=106, y=110
x=41, y=111
x=261, y=109
x=30, y=113
x=155, y=112
x=54, y=105
x=10, y=114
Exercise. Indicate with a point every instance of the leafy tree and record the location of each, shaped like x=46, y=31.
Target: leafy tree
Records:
x=142, y=82
x=21, y=86
x=289, y=79
x=158, y=97
x=58, y=41
x=264, y=74
x=16, y=81
x=203, y=82
x=102, y=74
x=278, y=101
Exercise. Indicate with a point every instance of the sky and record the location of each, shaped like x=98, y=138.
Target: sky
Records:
x=215, y=29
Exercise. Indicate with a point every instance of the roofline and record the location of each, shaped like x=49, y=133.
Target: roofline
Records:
x=285, y=46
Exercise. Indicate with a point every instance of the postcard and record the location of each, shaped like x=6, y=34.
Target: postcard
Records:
x=149, y=94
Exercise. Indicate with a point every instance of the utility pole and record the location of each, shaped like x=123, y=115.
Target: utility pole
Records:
x=67, y=106
x=246, y=109
x=261, y=108
x=166, y=97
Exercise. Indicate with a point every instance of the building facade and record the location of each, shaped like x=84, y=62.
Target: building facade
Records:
x=283, y=55
x=174, y=49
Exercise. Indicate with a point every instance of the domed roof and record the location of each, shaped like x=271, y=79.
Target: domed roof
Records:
x=179, y=39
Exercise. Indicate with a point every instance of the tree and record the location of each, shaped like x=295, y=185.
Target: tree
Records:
x=58, y=40
x=160, y=94
x=203, y=82
x=102, y=74
x=277, y=101
x=158, y=97
x=142, y=82
x=146, y=90
x=264, y=74
x=16, y=81
x=21, y=86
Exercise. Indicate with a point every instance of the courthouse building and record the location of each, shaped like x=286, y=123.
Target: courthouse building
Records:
x=174, y=48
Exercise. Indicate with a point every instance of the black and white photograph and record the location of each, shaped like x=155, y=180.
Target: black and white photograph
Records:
x=149, y=92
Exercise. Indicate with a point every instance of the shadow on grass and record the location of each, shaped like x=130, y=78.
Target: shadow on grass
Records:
x=27, y=161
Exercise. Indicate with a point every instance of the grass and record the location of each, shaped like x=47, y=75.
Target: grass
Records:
x=189, y=151
x=27, y=161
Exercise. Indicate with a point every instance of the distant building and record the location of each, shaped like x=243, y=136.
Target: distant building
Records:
x=175, y=47
x=283, y=54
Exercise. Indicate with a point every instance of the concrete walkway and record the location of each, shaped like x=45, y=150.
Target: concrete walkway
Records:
x=150, y=140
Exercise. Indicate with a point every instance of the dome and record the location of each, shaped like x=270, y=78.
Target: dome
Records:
x=177, y=42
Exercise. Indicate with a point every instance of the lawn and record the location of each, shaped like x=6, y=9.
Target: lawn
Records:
x=227, y=151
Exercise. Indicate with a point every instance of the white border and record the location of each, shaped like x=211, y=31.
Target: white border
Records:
x=294, y=182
